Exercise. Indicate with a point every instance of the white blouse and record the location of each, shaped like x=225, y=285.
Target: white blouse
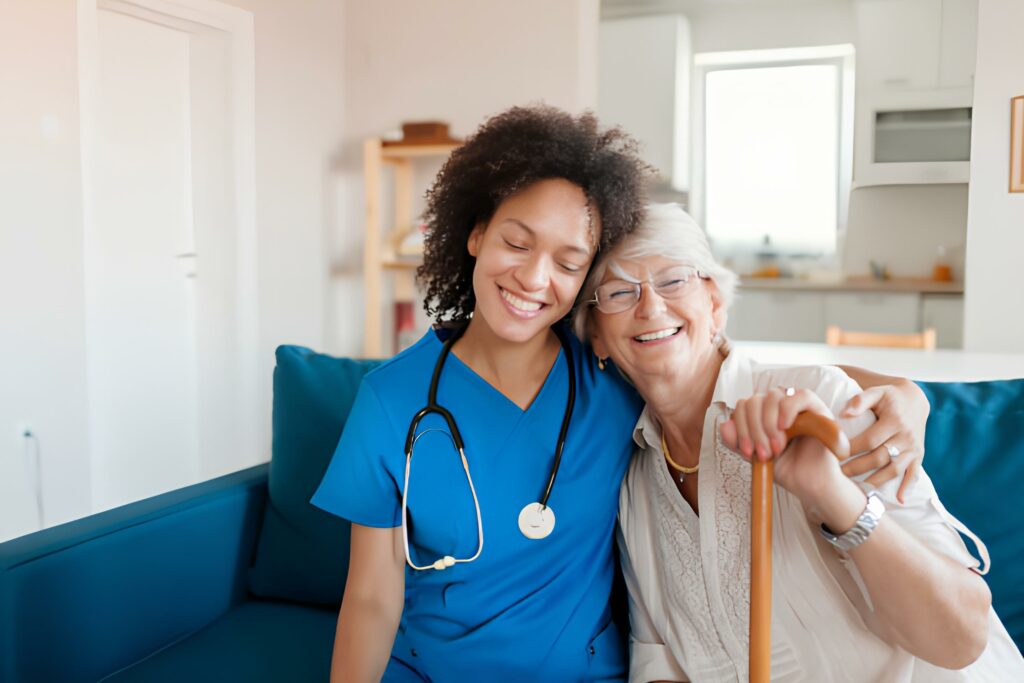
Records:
x=689, y=576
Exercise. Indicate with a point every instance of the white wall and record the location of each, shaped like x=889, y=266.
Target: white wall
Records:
x=299, y=123
x=42, y=334
x=451, y=60
x=995, y=217
x=299, y=134
x=644, y=86
x=299, y=131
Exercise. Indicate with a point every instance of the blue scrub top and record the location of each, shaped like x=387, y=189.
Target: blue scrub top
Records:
x=525, y=609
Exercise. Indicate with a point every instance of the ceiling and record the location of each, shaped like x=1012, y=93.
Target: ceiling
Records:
x=625, y=8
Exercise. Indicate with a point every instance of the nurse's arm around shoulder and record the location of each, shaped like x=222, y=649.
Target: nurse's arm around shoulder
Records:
x=371, y=607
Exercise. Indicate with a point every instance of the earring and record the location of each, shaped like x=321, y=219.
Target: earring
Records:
x=600, y=363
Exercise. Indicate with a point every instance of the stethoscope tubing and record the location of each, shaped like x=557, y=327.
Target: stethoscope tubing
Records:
x=456, y=437
x=447, y=560
x=563, y=431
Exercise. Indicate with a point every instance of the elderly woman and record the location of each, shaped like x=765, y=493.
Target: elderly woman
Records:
x=866, y=588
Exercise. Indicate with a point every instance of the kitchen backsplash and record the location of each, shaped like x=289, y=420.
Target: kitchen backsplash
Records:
x=903, y=227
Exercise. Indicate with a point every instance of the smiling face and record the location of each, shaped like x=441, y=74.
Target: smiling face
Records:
x=659, y=337
x=532, y=258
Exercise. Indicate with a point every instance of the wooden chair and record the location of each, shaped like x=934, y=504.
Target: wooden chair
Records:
x=834, y=336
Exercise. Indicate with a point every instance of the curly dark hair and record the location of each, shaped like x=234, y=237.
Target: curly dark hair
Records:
x=508, y=153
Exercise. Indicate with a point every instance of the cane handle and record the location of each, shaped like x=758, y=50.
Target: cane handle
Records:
x=824, y=430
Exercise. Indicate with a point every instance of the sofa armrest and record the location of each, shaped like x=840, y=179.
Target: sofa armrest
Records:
x=81, y=600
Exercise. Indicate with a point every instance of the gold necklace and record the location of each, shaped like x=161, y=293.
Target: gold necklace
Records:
x=676, y=466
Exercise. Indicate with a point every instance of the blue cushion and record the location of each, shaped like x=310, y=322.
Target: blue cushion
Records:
x=975, y=456
x=256, y=641
x=302, y=553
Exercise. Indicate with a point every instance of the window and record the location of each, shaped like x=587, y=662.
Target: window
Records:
x=774, y=133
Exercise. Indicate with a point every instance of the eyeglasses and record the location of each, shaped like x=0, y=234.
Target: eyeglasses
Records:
x=617, y=296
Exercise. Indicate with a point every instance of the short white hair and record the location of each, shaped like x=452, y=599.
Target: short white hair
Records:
x=666, y=231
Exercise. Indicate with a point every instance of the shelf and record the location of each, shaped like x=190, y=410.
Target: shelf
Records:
x=382, y=259
x=396, y=152
x=401, y=262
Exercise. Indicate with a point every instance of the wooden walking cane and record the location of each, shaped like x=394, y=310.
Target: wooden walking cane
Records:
x=806, y=424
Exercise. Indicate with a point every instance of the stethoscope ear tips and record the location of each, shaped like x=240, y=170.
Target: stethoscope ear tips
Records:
x=444, y=563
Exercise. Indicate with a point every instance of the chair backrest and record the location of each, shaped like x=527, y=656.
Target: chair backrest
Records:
x=835, y=336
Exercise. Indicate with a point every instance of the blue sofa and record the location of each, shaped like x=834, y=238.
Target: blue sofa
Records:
x=239, y=578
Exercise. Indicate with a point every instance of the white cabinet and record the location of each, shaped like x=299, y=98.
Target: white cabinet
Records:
x=945, y=313
x=874, y=312
x=915, y=84
x=898, y=43
x=916, y=44
x=802, y=316
x=959, y=45
x=778, y=316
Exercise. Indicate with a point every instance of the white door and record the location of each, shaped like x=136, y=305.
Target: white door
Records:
x=140, y=284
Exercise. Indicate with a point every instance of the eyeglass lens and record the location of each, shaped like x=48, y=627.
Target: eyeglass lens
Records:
x=620, y=295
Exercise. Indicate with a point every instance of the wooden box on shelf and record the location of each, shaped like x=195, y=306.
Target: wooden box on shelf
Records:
x=423, y=133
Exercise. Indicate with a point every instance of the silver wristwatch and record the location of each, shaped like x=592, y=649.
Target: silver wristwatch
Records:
x=860, y=531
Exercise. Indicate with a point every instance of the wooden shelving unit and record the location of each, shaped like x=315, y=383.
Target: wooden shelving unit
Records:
x=380, y=251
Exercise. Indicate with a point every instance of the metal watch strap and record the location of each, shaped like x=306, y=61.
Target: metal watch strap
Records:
x=861, y=529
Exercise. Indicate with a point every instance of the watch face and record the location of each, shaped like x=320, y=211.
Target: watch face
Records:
x=875, y=505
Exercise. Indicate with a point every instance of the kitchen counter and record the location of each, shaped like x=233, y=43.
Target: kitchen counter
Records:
x=853, y=284
x=942, y=365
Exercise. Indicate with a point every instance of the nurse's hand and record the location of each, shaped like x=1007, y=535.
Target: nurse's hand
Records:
x=902, y=410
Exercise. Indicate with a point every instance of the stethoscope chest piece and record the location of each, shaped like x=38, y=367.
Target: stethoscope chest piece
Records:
x=536, y=521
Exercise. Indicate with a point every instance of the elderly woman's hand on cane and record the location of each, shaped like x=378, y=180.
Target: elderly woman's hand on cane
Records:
x=763, y=425
x=759, y=426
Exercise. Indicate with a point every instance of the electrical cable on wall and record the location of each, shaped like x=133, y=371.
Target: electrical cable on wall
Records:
x=33, y=456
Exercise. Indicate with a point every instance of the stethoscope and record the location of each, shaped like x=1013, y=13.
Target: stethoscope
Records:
x=536, y=520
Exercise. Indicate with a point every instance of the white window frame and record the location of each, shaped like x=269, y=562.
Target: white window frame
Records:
x=841, y=56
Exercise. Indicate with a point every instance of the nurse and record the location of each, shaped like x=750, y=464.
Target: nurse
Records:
x=504, y=564
x=516, y=217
